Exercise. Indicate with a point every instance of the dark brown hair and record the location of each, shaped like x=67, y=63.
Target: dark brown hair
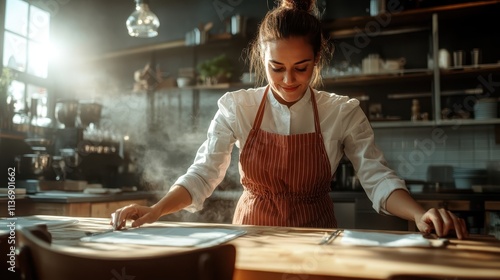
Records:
x=292, y=18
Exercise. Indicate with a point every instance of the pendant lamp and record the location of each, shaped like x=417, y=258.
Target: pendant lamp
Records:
x=142, y=22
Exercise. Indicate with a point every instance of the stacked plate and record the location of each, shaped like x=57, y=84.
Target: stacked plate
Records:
x=465, y=178
x=485, y=108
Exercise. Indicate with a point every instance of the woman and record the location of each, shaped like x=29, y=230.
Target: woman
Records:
x=291, y=139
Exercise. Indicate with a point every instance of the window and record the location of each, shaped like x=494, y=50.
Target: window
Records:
x=26, y=39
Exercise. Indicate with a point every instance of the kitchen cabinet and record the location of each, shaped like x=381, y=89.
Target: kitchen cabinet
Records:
x=480, y=211
x=492, y=217
x=472, y=210
x=354, y=210
x=345, y=213
x=453, y=205
x=75, y=204
x=104, y=209
x=74, y=209
x=419, y=35
x=367, y=218
x=476, y=210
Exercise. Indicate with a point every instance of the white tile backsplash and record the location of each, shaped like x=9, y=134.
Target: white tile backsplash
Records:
x=481, y=155
x=410, y=151
x=495, y=153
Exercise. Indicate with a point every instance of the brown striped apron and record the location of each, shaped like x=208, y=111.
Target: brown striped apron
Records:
x=285, y=178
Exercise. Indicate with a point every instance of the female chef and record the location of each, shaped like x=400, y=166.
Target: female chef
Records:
x=291, y=138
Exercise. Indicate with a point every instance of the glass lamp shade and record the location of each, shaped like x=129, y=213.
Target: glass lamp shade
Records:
x=142, y=22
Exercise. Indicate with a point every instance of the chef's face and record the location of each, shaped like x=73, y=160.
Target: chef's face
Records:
x=289, y=65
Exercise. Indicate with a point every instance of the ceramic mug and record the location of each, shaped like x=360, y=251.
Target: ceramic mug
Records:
x=371, y=64
x=444, y=59
x=458, y=58
x=475, y=57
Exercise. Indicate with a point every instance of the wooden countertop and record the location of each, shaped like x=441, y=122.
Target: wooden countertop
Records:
x=78, y=197
x=293, y=253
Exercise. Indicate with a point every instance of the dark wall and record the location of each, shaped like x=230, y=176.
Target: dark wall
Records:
x=95, y=26
x=92, y=28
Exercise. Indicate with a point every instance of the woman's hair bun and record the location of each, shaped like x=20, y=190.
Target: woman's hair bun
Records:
x=304, y=5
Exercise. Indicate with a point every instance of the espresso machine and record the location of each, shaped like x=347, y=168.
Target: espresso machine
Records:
x=33, y=157
x=89, y=153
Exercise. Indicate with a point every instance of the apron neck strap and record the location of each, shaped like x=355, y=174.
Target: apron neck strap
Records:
x=260, y=112
x=315, y=109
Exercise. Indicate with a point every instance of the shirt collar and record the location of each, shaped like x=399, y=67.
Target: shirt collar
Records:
x=303, y=101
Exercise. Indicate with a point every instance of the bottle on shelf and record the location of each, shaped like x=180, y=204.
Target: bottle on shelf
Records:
x=415, y=110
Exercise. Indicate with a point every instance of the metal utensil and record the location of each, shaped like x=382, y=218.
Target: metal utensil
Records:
x=113, y=227
x=99, y=233
x=114, y=218
x=327, y=239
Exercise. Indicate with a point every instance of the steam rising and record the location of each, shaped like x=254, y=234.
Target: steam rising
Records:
x=161, y=154
x=165, y=153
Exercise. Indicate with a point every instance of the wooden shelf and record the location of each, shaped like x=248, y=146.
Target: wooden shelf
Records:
x=138, y=50
x=405, y=21
x=459, y=73
x=383, y=78
x=401, y=124
x=214, y=41
x=226, y=86
x=456, y=122
x=410, y=75
x=10, y=134
x=208, y=87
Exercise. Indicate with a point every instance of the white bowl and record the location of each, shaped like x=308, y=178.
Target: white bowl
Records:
x=183, y=81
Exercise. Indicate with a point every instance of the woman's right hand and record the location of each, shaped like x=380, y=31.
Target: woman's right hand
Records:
x=176, y=199
x=137, y=213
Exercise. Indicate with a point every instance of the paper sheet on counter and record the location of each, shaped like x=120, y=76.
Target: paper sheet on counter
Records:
x=362, y=238
x=168, y=236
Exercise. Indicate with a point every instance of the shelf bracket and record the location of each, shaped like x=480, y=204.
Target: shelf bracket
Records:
x=437, y=84
x=497, y=134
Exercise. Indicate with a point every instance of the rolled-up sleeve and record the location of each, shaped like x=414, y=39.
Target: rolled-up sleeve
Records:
x=378, y=180
x=213, y=156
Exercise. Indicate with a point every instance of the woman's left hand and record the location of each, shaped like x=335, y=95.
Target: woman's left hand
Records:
x=442, y=221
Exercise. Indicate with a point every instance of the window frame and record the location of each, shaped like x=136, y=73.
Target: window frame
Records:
x=23, y=76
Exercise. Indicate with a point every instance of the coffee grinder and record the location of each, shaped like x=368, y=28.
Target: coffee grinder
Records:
x=68, y=137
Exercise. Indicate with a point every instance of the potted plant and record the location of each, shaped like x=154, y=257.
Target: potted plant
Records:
x=215, y=70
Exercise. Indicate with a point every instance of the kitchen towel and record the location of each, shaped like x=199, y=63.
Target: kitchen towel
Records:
x=168, y=236
x=366, y=238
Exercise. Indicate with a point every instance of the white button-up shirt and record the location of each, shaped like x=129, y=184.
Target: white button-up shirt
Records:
x=344, y=126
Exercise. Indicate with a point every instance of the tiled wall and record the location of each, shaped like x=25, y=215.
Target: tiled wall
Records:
x=410, y=151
